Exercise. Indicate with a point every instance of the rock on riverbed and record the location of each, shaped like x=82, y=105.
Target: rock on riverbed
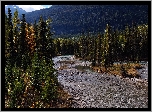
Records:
x=96, y=90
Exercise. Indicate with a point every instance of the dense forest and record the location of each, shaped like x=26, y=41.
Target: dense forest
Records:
x=29, y=49
x=28, y=62
x=74, y=19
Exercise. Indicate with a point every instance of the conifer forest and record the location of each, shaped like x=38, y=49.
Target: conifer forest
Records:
x=81, y=70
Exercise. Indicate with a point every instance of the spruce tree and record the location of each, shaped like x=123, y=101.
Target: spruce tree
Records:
x=42, y=40
x=99, y=50
x=9, y=62
x=6, y=37
x=10, y=38
x=50, y=44
x=57, y=46
x=16, y=23
x=127, y=45
x=105, y=53
x=93, y=52
x=23, y=46
x=76, y=48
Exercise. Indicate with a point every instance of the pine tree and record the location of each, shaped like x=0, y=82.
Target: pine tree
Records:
x=144, y=42
x=90, y=42
x=99, y=50
x=10, y=38
x=116, y=46
x=127, y=45
x=143, y=35
x=16, y=23
x=42, y=40
x=133, y=42
x=10, y=58
x=82, y=47
x=76, y=48
x=50, y=45
x=105, y=60
x=6, y=37
x=23, y=46
x=9, y=63
x=6, y=56
x=57, y=46
x=63, y=48
x=93, y=52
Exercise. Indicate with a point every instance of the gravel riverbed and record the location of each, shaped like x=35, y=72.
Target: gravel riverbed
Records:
x=101, y=90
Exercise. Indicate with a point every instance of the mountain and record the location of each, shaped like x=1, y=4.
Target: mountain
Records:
x=13, y=9
x=73, y=19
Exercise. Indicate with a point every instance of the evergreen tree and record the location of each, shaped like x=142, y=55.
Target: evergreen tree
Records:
x=10, y=58
x=127, y=45
x=145, y=42
x=90, y=47
x=50, y=44
x=93, y=53
x=6, y=55
x=10, y=38
x=82, y=47
x=105, y=53
x=116, y=48
x=76, y=48
x=63, y=48
x=9, y=63
x=6, y=37
x=57, y=46
x=99, y=50
x=16, y=23
x=23, y=46
x=133, y=47
x=45, y=44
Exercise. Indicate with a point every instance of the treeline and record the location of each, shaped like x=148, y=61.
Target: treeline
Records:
x=30, y=79
x=112, y=46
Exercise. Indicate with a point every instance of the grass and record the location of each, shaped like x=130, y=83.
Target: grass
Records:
x=130, y=69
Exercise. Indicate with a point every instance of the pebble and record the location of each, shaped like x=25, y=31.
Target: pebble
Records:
x=96, y=90
x=77, y=98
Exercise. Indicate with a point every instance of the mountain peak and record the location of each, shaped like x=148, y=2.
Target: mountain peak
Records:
x=13, y=9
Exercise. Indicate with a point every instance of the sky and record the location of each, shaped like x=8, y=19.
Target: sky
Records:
x=30, y=8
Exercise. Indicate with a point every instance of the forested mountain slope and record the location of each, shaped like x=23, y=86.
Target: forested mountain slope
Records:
x=73, y=19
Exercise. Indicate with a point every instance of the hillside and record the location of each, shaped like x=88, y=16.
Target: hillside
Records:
x=73, y=19
x=13, y=9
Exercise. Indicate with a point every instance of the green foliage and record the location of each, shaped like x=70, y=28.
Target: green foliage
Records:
x=114, y=46
x=57, y=45
x=44, y=79
x=23, y=71
x=14, y=84
x=109, y=47
x=36, y=72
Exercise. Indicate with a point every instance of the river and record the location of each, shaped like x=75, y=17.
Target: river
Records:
x=100, y=90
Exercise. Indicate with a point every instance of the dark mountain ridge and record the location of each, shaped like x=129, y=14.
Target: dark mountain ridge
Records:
x=73, y=19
